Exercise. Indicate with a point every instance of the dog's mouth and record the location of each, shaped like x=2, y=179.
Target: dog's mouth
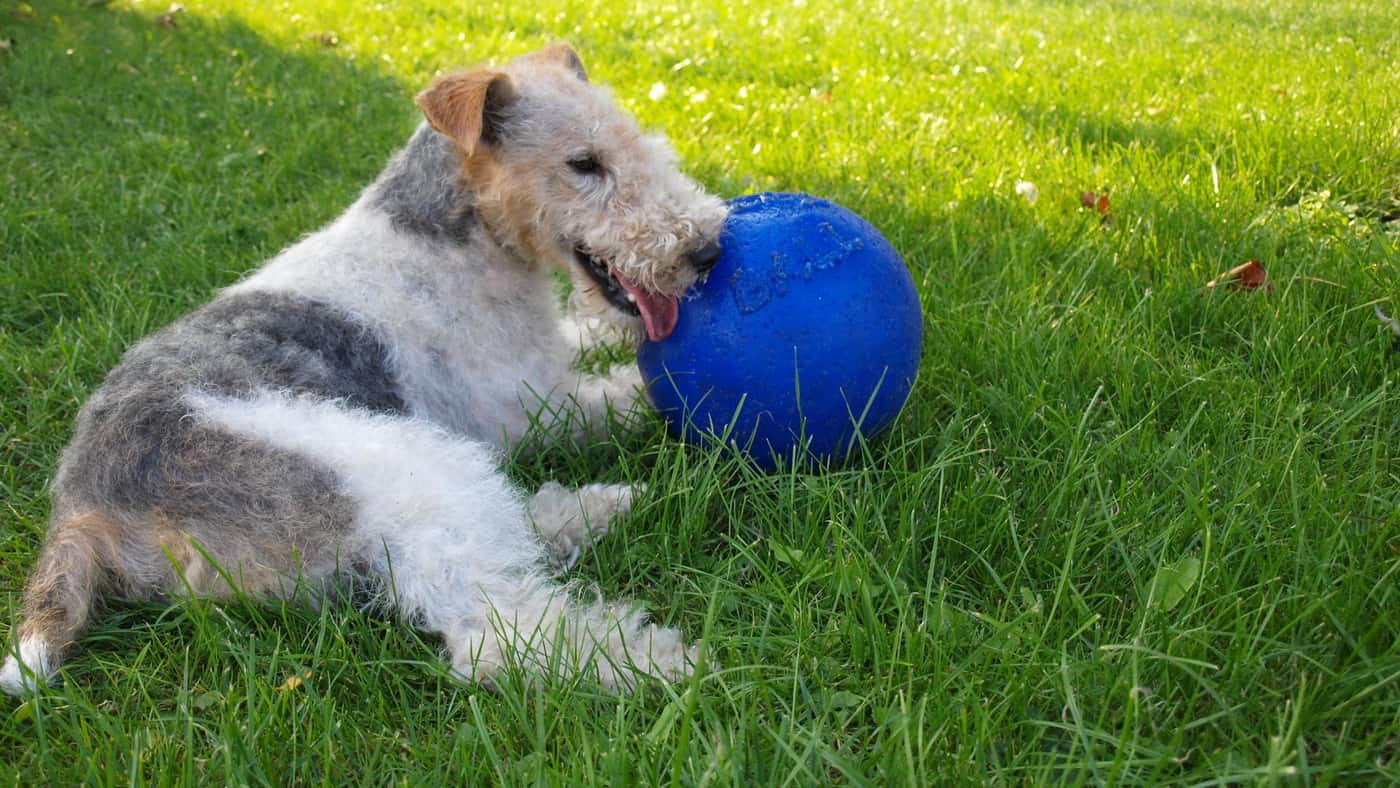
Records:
x=659, y=312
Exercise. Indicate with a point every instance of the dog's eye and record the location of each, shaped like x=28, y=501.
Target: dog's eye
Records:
x=585, y=165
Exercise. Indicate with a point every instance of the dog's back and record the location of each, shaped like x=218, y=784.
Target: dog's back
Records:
x=343, y=407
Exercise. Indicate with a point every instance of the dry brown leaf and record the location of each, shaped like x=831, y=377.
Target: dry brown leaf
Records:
x=1248, y=276
x=293, y=681
x=327, y=39
x=1097, y=202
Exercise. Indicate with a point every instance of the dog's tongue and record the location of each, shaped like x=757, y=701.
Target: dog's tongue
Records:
x=659, y=312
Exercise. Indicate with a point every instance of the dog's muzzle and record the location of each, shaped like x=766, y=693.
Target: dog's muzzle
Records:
x=607, y=284
x=704, y=258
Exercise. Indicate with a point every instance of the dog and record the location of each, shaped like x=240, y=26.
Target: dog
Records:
x=339, y=414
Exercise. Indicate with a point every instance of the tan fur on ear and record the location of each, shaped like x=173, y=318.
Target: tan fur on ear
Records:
x=561, y=52
x=460, y=105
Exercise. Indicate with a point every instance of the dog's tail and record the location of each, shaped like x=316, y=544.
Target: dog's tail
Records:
x=76, y=563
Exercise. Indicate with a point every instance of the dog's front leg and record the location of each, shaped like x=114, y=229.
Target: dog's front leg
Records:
x=620, y=392
x=589, y=408
x=569, y=520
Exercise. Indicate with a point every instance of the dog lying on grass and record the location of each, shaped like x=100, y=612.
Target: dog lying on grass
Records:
x=340, y=411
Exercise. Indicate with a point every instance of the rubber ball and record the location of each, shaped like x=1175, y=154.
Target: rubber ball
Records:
x=806, y=334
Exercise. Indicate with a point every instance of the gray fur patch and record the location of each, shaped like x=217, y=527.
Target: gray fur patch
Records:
x=135, y=450
x=422, y=190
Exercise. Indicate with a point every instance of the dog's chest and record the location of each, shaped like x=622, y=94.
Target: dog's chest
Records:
x=471, y=337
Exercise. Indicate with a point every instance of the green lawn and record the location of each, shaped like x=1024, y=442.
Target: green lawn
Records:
x=1127, y=531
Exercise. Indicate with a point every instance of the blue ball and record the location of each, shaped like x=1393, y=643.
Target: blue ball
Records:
x=806, y=333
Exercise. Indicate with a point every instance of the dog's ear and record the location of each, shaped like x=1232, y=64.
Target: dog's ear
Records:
x=561, y=52
x=469, y=106
x=570, y=59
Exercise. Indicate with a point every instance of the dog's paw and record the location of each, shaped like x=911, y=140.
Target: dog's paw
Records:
x=570, y=520
x=34, y=672
x=670, y=657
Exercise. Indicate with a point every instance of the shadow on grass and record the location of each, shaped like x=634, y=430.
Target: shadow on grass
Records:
x=150, y=163
x=1101, y=133
x=144, y=166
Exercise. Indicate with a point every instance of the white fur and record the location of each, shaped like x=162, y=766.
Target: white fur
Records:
x=450, y=538
x=478, y=343
x=571, y=519
x=476, y=337
x=32, y=670
x=479, y=350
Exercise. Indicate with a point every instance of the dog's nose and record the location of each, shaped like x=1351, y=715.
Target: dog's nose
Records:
x=705, y=257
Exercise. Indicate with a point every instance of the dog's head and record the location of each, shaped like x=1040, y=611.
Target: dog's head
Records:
x=561, y=174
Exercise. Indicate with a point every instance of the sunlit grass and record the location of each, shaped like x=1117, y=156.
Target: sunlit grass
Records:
x=1127, y=530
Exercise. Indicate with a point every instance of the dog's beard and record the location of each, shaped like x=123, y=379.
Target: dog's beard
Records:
x=601, y=321
x=659, y=312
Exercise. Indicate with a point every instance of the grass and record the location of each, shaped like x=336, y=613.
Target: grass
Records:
x=1127, y=531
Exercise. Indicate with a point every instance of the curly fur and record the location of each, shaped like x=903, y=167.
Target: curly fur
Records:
x=339, y=414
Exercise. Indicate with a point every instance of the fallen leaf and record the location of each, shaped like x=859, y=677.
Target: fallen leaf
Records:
x=128, y=68
x=1172, y=582
x=1098, y=202
x=787, y=555
x=327, y=39
x=293, y=681
x=1249, y=276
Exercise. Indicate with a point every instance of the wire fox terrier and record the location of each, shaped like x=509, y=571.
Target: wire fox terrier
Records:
x=339, y=414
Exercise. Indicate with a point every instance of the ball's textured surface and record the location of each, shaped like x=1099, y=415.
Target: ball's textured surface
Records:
x=808, y=328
